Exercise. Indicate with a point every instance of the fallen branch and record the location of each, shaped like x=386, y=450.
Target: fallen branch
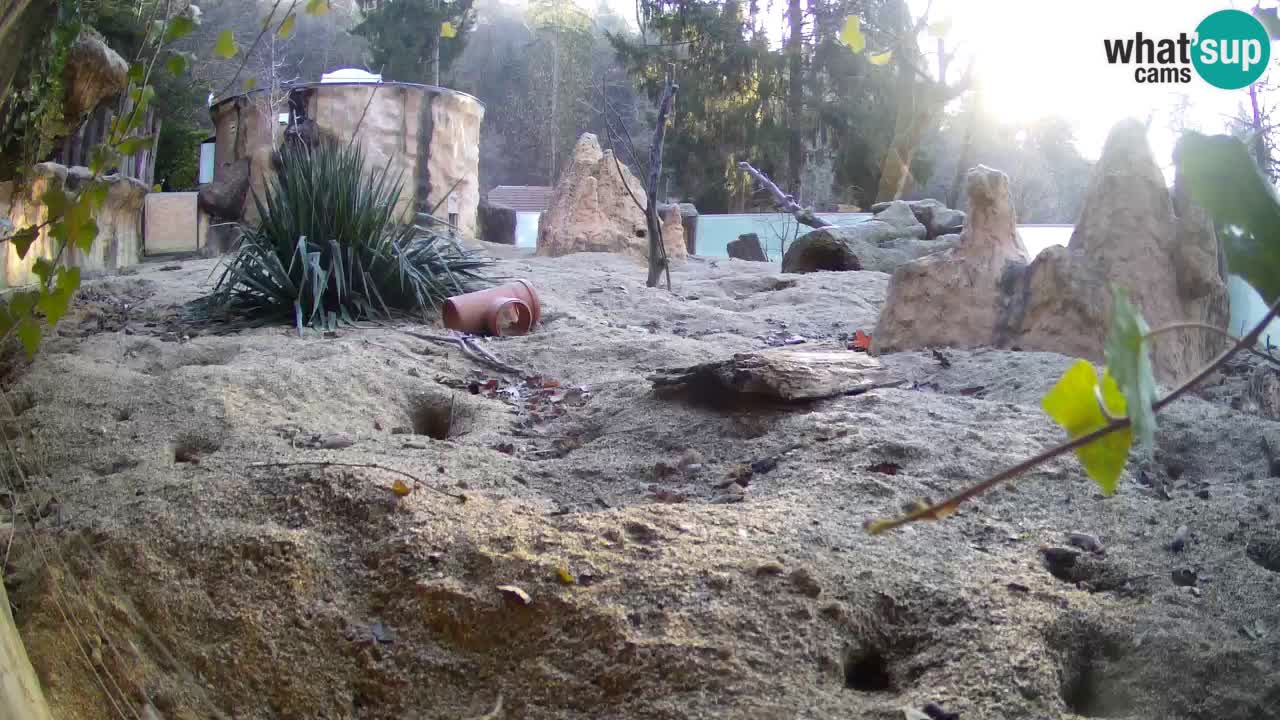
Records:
x=370, y=466
x=783, y=201
x=468, y=348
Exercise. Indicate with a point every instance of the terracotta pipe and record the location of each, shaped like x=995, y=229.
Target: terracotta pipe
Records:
x=475, y=312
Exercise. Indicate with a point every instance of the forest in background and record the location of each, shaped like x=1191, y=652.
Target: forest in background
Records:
x=770, y=82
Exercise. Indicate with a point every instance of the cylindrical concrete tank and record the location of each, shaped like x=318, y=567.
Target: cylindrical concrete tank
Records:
x=428, y=136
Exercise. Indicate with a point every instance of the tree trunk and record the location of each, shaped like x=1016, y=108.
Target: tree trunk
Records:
x=795, y=100
x=657, y=250
x=20, y=695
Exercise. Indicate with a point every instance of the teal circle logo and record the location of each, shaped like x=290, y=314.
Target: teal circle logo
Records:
x=1232, y=49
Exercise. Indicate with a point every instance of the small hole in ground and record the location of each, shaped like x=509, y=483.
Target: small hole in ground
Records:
x=1265, y=552
x=190, y=447
x=866, y=670
x=440, y=417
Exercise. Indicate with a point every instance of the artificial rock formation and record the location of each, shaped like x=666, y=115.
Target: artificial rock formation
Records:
x=93, y=73
x=119, y=241
x=427, y=137
x=594, y=209
x=954, y=297
x=1132, y=234
x=937, y=218
x=894, y=236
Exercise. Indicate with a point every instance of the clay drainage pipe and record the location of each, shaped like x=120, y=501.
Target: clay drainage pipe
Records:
x=511, y=309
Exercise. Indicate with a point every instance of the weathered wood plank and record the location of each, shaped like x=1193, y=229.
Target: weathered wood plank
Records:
x=781, y=374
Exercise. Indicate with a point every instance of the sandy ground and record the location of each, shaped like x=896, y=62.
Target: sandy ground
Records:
x=679, y=559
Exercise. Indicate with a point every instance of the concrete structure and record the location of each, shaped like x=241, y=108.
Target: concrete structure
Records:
x=428, y=136
x=119, y=241
x=174, y=224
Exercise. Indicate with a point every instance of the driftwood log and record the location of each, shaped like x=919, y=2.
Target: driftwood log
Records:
x=783, y=201
x=790, y=375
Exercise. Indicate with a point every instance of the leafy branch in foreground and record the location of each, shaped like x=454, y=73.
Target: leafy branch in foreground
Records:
x=1102, y=415
x=330, y=246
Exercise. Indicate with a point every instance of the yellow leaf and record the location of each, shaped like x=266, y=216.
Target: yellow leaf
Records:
x=1073, y=404
x=881, y=58
x=447, y=30
x=225, y=47
x=400, y=488
x=851, y=35
x=286, y=27
x=317, y=7
x=564, y=576
x=250, y=83
x=940, y=28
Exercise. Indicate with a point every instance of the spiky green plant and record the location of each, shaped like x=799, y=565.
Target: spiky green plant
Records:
x=330, y=246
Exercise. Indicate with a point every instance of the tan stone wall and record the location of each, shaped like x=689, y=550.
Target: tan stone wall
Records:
x=423, y=135
x=119, y=242
x=172, y=223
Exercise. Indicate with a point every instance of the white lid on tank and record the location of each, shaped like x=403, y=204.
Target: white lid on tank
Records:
x=350, y=75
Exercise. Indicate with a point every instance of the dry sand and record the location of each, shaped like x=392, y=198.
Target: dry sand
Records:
x=173, y=576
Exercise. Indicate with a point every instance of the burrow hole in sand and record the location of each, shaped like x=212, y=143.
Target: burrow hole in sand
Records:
x=866, y=669
x=189, y=447
x=1090, y=654
x=441, y=416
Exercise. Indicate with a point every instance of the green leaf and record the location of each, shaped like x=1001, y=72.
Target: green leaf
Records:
x=43, y=269
x=137, y=73
x=286, y=27
x=29, y=333
x=176, y=64
x=1129, y=362
x=225, y=47
x=179, y=27
x=1073, y=404
x=55, y=199
x=134, y=145
x=22, y=240
x=79, y=227
x=851, y=34
x=54, y=302
x=317, y=7
x=250, y=83
x=1224, y=180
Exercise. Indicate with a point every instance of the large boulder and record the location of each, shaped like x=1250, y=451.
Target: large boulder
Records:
x=934, y=215
x=594, y=209
x=871, y=245
x=747, y=247
x=899, y=216
x=93, y=73
x=497, y=223
x=953, y=297
x=1132, y=234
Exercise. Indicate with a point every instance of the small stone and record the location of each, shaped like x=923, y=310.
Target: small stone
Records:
x=1180, y=539
x=1203, y=493
x=337, y=441
x=415, y=445
x=1085, y=542
x=833, y=611
x=770, y=569
x=804, y=581
x=595, y=290
x=401, y=430
x=1184, y=577
x=382, y=633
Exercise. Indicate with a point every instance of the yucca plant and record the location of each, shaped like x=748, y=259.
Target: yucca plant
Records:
x=330, y=247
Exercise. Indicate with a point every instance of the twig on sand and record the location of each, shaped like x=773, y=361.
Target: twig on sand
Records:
x=469, y=348
x=372, y=466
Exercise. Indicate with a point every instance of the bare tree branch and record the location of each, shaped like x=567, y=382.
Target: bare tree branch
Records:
x=783, y=201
